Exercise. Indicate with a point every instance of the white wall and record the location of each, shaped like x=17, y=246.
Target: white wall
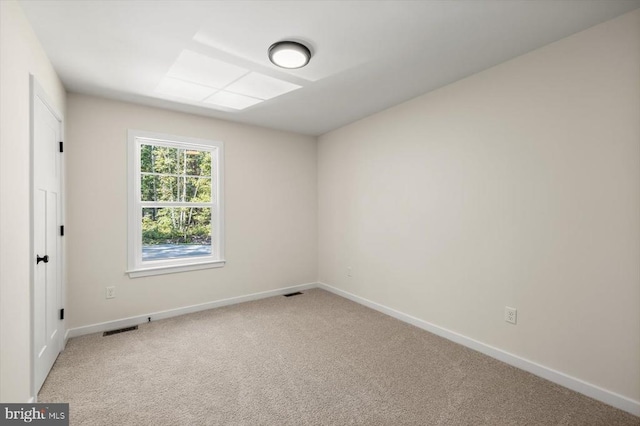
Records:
x=517, y=186
x=20, y=55
x=270, y=212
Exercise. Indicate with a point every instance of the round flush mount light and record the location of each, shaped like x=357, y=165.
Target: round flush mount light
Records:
x=289, y=54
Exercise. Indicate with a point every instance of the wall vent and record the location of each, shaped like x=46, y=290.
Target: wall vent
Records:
x=120, y=330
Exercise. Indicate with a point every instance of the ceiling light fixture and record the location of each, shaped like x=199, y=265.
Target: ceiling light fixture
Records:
x=289, y=54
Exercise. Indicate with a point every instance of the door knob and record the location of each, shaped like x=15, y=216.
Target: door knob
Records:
x=44, y=259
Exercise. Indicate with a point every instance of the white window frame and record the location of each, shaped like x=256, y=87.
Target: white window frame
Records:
x=136, y=266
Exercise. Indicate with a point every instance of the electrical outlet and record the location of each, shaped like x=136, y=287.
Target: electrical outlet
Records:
x=349, y=271
x=510, y=315
x=111, y=292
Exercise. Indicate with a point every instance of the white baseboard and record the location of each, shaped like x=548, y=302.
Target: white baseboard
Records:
x=140, y=319
x=588, y=389
x=65, y=340
x=32, y=400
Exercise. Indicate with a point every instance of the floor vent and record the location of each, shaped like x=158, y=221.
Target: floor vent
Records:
x=120, y=330
x=292, y=294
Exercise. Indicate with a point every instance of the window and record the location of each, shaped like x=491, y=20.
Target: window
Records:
x=175, y=204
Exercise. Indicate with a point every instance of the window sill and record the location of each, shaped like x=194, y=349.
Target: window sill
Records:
x=172, y=269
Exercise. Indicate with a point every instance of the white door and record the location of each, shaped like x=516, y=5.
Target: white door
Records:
x=47, y=219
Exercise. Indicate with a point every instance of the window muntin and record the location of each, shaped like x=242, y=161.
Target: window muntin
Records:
x=175, y=204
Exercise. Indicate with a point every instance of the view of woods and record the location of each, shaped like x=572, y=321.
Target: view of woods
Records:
x=181, y=176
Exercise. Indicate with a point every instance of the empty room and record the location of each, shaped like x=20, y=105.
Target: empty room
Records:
x=320, y=212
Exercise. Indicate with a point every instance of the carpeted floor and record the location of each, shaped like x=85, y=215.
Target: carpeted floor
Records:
x=312, y=359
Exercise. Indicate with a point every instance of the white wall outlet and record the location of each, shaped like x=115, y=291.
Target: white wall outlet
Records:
x=510, y=315
x=111, y=292
x=349, y=271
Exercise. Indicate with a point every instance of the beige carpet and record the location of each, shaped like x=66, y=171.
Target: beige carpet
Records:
x=312, y=359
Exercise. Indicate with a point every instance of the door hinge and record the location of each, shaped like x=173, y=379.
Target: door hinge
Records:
x=62, y=230
x=61, y=146
x=62, y=314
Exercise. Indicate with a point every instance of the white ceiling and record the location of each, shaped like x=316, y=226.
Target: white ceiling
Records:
x=367, y=55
